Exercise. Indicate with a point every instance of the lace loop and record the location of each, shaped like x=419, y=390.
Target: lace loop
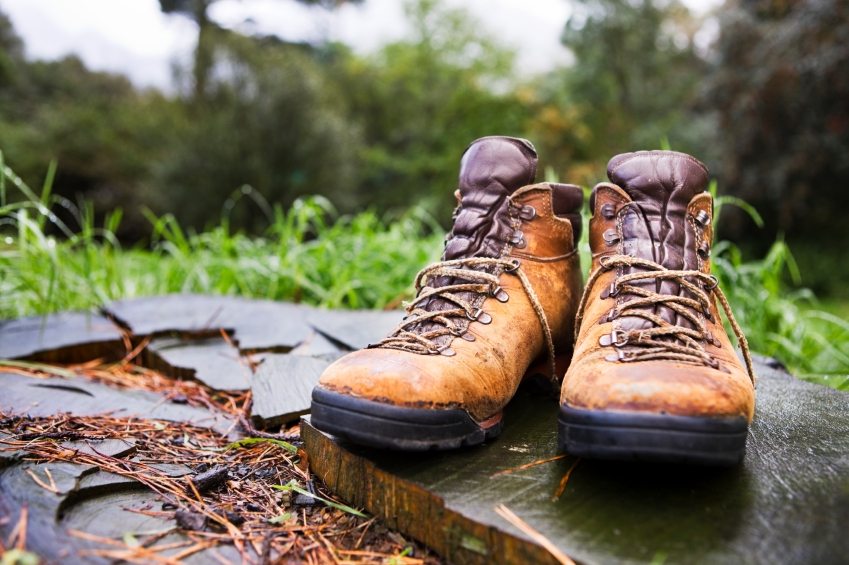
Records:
x=471, y=275
x=654, y=342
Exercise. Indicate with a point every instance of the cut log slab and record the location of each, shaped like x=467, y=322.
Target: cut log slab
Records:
x=788, y=502
x=282, y=387
x=69, y=337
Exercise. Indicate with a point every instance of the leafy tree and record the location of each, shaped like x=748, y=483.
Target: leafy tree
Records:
x=103, y=133
x=420, y=102
x=198, y=11
x=781, y=91
x=634, y=81
x=274, y=122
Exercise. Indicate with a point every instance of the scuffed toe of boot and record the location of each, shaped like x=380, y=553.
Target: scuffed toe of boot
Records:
x=382, y=398
x=656, y=412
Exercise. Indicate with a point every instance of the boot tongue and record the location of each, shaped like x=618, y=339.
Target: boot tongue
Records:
x=661, y=185
x=492, y=169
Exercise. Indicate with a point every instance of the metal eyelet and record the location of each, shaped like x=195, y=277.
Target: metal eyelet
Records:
x=605, y=264
x=518, y=240
x=515, y=264
x=527, y=213
x=618, y=356
x=608, y=211
x=610, y=292
x=499, y=294
x=620, y=338
x=702, y=218
x=468, y=337
x=479, y=316
x=610, y=237
x=704, y=251
x=714, y=283
x=448, y=352
x=617, y=338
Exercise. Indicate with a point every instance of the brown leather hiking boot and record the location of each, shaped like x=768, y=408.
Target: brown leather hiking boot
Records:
x=503, y=296
x=654, y=376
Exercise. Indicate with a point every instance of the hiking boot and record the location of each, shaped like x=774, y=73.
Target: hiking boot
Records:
x=503, y=296
x=654, y=376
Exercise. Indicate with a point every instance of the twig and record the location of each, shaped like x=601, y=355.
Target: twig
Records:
x=561, y=487
x=527, y=465
x=508, y=515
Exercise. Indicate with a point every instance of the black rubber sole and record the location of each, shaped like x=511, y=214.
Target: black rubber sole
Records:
x=631, y=436
x=375, y=424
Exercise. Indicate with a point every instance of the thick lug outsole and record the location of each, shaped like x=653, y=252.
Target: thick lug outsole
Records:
x=632, y=436
x=385, y=426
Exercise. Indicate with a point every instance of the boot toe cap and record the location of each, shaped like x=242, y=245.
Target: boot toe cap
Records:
x=662, y=387
x=388, y=376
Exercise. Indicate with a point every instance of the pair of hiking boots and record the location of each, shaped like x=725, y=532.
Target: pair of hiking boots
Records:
x=651, y=372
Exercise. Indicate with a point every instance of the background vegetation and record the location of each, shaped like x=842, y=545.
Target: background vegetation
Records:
x=308, y=172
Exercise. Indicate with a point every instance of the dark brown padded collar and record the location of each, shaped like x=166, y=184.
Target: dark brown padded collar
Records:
x=654, y=227
x=492, y=169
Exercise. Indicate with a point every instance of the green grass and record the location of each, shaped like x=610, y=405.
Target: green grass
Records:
x=310, y=254
x=307, y=254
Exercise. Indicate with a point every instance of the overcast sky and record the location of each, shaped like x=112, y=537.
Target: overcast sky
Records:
x=133, y=36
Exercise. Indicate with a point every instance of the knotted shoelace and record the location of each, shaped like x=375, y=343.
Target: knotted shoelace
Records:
x=665, y=340
x=471, y=275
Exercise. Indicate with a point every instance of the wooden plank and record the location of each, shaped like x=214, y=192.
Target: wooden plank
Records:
x=788, y=501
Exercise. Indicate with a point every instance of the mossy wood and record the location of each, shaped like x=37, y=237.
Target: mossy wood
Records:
x=788, y=502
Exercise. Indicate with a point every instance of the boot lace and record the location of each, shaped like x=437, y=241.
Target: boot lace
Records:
x=665, y=340
x=421, y=329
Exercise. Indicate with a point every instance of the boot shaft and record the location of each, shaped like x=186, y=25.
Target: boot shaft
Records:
x=655, y=208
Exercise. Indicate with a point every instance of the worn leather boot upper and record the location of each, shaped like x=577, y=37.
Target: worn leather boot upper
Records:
x=504, y=293
x=650, y=338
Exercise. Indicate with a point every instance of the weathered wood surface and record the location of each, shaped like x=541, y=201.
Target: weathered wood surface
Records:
x=787, y=503
x=90, y=502
x=67, y=337
x=280, y=385
x=213, y=361
x=187, y=342
x=56, y=395
x=256, y=324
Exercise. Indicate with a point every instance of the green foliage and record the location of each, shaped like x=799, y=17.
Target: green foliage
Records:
x=294, y=486
x=634, y=81
x=259, y=440
x=783, y=322
x=273, y=121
